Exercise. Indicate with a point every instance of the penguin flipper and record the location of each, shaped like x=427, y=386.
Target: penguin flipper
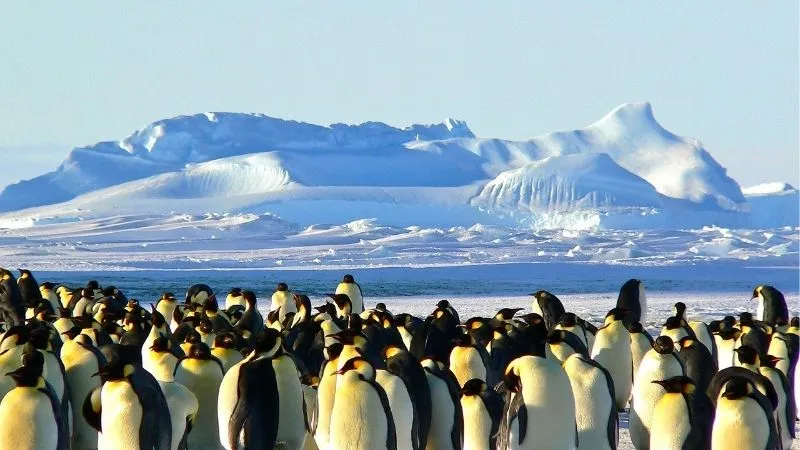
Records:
x=458, y=420
x=515, y=410
x=774, y=440
x=92, y=409
x=494, y=406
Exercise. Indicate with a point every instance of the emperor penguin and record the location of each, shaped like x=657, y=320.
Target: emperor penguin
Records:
x=81, y=360
x=31, y=410
x=569, y=322
x=343, y=304
x=446, y=430
x=786, y=347
x=48, y=292
x=225, y=350
x=786, y=410
x=612, y=350
x=54, y=374
x=469, y=360
x=743, y=418
x=403, y=364
x=549, y=307
x=202, y=374
x=726, y=337
x=633, y=300
x=683, y=417
x=704, y=336
x=251, y=323
x=349, y=287
x=482, y=407
x=539, y=408
x=182, y=411
x=12, y=306
x=771, y=305
x=660, y=363
x=697, y=360
x=12, y=346
x=282, y=301
x=28, y=288
x=595, y=408
x=198, y=293
x=561, y=344
x=362, y=418
x=160, y=360
x=166, y=305
x=326, y=393
x=641, y=343
x=234, y=298
x=129, y=410
x=398, y=396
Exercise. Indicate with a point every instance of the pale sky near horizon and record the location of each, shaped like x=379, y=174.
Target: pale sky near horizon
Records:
x=74, y=73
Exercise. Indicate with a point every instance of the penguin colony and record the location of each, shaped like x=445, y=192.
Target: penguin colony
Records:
x=89, y=368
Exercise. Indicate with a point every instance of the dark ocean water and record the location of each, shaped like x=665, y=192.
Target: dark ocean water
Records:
x=487, y=280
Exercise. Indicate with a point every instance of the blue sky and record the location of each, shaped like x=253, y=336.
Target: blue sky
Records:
x=723, y=72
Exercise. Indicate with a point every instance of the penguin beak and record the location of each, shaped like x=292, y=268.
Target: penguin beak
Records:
x=661, y=383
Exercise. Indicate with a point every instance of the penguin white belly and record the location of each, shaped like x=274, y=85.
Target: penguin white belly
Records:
x=52, y=373
x=121, y=417
x=348, y=352
x=401, y=407
x=643, y=303
x=182, y=404
x=639, y=347
x=310, y=397
x=778, y=348
x=780, y=410
x=326, y=392
x=79, y=366
x=550, y=406
x=405, y=336
x=28, y=421
x=535, y=308
x=203, y=378
x=229, y=357
x=477, y=424
x=160, y=365
x=593, y=403
x=646, y=394
x=166, y=308
x=354, y=292
x=760, y=308
x=701, y=331
x=670, y=424
x=226, y=400
x=725, y=353
x=283, y=301
x=612, y=350
x=291, y=421
x=739, y=423
x=442, y=415
x=358, y=421
x=466, y=364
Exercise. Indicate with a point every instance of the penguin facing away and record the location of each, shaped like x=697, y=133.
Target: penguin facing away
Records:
x=482, y=408
x=633, y=300
x=683, y=417
x=743, y=418
x=595, y=409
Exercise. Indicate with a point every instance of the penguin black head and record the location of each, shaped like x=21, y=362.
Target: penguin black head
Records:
x=160, y=344
x=47, y=286
x=348, y=279
x=341, y=300
x=301, y=300
x=199, y=351
x=462, y=340
x=158, y=318
x=736, y=388
x=121, y=362
x=326, y=308
x=795, y=322
x=87, y=293
x=615, y=314
x=192, y=337
x=133, y=305
x=168, y=296
x=672, y=323
x=443, y=304
x=29, y=375
x=268, y=342
x=532, y=319
x=569, y=338
x=507, y=313
x=359, y=364
x=39, y=339
x=769, y=360
x=474, y=387
x=746, y=319
x=663, y=345
x=235, y=292
x=282, y=287
x=680, y=309
x=226, y=339
x=747, y=354
x=635, y=327
x=72, y=333
x=512, y=380
x=351, y=337
x=687, y=341
x=381, y=307
x=16, y=335
x=24, y=273
x=210, y=305
x=568, y=320
x=333, y=351
x=677, y=385
x=273, y=316
x=205, y=326
x=250, y=298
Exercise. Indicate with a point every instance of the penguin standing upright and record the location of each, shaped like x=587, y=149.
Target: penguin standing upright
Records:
x=349, y=287
x=401, y=406
x=540, y=408
x=361, y=418
x=282, y=301
x=660, y=363
x=251, y=323
x=785, y=411
x=81, y=360
x=641, y=343
x=699, y=364
x=549, y=307
x=166, y=305
x=612, y=349
x=12, y=307
x=28, y=288
x=771, y=305
x=197, y=294
x=182, y=410
x=403, y=364
x=446, y=416
x=482, y=407
x=595, y=408
x=726, y=337
x=129, y=410
x=202, y=374
x=633, y=300
x=30, y=411
x=48, y=292
x=683, y=417
x=743, y=418
x=234, y=298
x=469, y=360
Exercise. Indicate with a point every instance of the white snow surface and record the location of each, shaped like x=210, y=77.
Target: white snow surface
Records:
x=624, y=171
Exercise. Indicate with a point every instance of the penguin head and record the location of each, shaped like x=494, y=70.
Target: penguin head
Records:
x=168, y=297
x=302, y=301
x=158, y=319
x=475, y=323
x=663, y=345
x=672, y=323
x=133, y=305
x=511, y=378
x=746, y=319
x=199, y=351
x=769, y=360
x=635, y=327
x=568, y=320
x=533, y=319
x=205, y=326
x=193, y=337
x=333, y=351
x=24, y=274
x=342, y=301
x=121, y=362
x=736, y=388
x=282, y=287
x=30, y=374
x=39, y=339
x=160, y=344
x=235, y=292
x=392, y=351
x=679, y=310
x=226, y=339
x=47, y=286
x=210, y=305
x=250, y=298
x=507, y=313
x=273, y=316
x=795, y=322
x=93, y=285
x=15, y=336
x=381, y=307
x=351, y=337
x=687, y=342
x=615, y=314
x=677, y=385
x=348, y=279
x=360, y=365
x=463, y=340
x=268, y=342
x=747, y=355
x=474, y=387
